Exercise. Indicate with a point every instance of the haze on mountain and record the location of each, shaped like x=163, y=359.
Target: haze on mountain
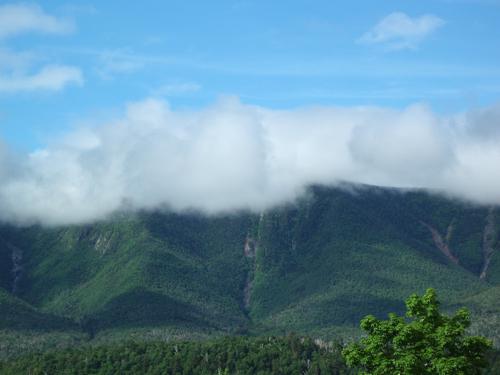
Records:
x=231, y=156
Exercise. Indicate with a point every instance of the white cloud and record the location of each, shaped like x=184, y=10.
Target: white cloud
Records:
x=233, y=156
x=400, y=31
x=22, y=18
x=50, y=77
x=17, y=71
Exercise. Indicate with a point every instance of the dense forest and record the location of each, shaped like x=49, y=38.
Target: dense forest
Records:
x=232, y=355
x=235, y=355
x=315, y=267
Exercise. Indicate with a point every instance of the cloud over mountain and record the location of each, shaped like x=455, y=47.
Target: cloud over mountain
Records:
x=233, y=156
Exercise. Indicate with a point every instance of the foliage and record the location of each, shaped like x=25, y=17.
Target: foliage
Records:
x=236, y=355
x=327, y=261
x=321, y=264
x=431, y=343
x=494, y=367
x=14, y=343
x=17, y=314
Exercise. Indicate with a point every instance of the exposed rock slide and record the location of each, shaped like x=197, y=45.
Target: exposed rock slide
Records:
x=488, y=243
x=249, y=251
x=441, y=243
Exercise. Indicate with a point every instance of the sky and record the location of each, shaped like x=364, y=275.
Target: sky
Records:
x=262, y=94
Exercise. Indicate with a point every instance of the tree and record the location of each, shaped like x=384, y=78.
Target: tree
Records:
x=427, y=342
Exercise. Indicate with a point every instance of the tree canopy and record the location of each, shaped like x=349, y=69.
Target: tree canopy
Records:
x=425, y=342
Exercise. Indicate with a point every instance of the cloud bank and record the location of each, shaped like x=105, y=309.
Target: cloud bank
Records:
x=233, y=156
x=400, y=31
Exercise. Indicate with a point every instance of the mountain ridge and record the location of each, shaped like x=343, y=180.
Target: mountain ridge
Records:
x=315, y=266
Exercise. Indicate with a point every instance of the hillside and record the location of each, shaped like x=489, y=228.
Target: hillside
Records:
x=313, y=267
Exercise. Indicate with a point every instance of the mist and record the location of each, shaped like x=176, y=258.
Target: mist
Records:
x=232, y=156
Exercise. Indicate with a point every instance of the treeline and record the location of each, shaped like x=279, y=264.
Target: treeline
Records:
x=232, y=355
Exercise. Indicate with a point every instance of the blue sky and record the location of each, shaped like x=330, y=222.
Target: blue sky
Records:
x=218, y=106
x=64, y=64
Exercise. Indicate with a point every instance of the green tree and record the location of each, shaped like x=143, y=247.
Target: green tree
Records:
x=427, y=342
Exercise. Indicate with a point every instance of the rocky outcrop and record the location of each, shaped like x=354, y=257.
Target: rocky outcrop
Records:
x=488, y=243
x=442, y=244
x=249, y=251
x=103, y=243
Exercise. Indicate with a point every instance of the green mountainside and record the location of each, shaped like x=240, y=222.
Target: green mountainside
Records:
x=316, y=267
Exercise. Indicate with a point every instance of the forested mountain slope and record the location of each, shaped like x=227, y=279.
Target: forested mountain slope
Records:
x=316, y=266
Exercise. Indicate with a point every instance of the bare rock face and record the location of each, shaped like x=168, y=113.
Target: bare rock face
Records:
x=103, y=243
x=488, y=243
x=249, y=251
x=442, y=244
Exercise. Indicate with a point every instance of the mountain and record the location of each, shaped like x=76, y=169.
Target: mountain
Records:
x=315, y=266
